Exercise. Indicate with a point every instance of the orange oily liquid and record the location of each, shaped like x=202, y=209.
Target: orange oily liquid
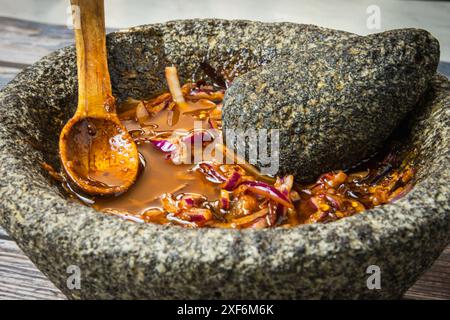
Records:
x=160, y=175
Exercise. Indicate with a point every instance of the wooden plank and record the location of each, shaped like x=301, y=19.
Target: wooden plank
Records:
x=435, y=283
x=19, y=277
x=7, y=74
x=444, y=68
x=25, y=42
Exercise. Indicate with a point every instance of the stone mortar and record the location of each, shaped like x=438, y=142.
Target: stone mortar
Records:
x=121, y=259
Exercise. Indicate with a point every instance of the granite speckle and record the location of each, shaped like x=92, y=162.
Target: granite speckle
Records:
x=337, y=103
x=121, y=259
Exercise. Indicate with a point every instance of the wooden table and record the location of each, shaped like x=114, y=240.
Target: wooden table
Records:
x=24, y=42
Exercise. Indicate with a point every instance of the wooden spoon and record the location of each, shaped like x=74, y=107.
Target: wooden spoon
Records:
x=96, y=150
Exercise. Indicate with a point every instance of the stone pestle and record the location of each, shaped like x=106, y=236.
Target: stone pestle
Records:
x=335, y=103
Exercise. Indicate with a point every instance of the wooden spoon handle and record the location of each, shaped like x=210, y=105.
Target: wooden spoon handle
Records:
x=94, y=84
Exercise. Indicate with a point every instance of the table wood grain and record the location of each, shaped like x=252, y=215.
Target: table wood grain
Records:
x=22, y=43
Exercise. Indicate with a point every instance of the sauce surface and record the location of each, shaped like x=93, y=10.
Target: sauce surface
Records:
x=174, y=189
x=159, y=175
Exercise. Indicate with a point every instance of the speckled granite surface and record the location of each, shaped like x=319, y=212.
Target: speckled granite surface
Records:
x=125, y=260
x=335, y=103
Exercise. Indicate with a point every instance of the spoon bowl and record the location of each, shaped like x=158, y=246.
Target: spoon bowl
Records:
x=99, y=155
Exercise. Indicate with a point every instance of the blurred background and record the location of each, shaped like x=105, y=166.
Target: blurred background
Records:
x=358, y=16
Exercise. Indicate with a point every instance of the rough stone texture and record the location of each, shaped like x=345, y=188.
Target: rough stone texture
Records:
x=335, y=103
x=121, y=259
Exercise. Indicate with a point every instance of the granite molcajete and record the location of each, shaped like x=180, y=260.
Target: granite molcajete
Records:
x=119, y=259
x=335, y=103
